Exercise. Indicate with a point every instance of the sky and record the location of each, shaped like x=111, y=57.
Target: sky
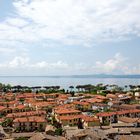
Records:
x=69, y=37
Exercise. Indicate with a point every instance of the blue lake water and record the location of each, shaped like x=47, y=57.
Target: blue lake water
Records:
x=65, y=82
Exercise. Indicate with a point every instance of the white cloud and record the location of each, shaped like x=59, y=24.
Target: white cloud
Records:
x=18, y=22
x=24, y=62
x=72, y=22
x=114, y=64
x=6, y=50
x=18, y=61
x=46, y=65
x=132, y=69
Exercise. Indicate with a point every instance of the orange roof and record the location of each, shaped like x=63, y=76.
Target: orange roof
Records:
x=64, y=106
x=43, y=104
x=20, y=107
x=10, y=102
x=104, y=114
x=122, y=112
x=81, y=116
x=2, y=108
x=17, y=107
x=129, y=120
x=100, y=97
x=22, y=114
x=111, y=96
x=90, y=119
x=80, y=103
x=50, y=99
x=63, y=96
x=10, y=94
x=26, y=95
x=30, y=100
x=66, y=111
x=94, y=100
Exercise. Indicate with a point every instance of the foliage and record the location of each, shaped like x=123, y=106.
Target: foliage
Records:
x=107, y=110
x=103, y=93
x=40, y=128
x=95, y=111
x=22, y=100
x=80, y=124
x=134, y=102
x=59, y=131
x=72, y=93
x=21, y=138
x=106, y=123
x=7, y=122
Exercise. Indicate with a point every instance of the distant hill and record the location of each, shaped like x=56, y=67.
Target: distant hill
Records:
x=105, y=76
x=83, y=76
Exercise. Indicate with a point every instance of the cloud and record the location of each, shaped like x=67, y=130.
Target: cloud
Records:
x=72, y=22
x=132, y=69
x=24, y=62
x=18, y=62
x=16, y=22
x=114, y=64
x=6, y=50
x=21, y=65
x=46, y=65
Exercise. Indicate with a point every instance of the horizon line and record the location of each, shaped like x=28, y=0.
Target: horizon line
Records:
x=70, y=75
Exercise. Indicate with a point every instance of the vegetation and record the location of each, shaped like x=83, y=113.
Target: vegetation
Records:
x=7, y=122
x=59, y=131
x=80, y=124
x=92, y=89
x=21, y=138
x=106, y=123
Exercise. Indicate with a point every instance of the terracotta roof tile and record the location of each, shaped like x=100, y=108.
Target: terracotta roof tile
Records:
x=66, y=111
x=23, y=114
x=103, y=114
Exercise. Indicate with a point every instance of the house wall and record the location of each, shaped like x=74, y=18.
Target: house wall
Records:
x=72, y=122
x=91, y=124
x=28, y=126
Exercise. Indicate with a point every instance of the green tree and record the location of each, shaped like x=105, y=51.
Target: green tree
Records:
x=7, y=122
x=71, y=88
x=59, y=131
x=21, y=138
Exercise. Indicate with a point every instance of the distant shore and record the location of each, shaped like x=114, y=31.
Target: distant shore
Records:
x=78, y=76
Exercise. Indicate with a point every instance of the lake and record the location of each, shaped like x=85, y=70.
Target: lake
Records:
x=65, y=81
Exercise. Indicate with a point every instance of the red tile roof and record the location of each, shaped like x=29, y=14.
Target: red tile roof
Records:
x=129, y=120
x=80, y=103
x=94, y=100
x=90, y=119
x=105, y=114
x=2, y=108
x=64, y=106
x=23, y=114
x=66, y=111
